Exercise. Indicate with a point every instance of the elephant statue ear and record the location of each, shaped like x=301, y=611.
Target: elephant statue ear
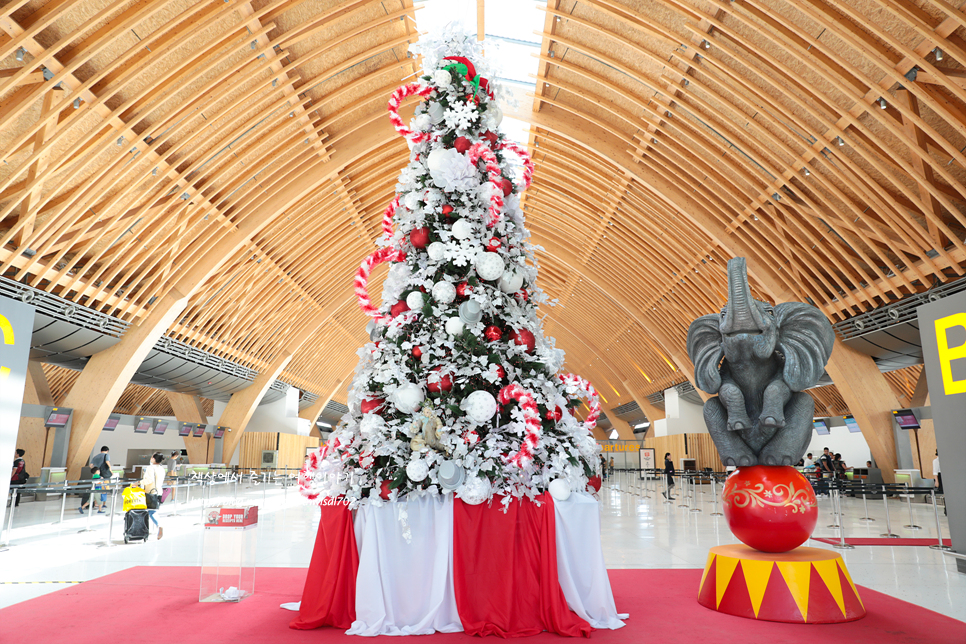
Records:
x=805, y=340
x=704, y=349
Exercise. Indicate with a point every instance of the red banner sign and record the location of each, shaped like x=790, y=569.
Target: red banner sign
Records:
x=240, y=517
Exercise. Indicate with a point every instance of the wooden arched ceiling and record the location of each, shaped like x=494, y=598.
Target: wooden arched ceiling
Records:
x=140, y=138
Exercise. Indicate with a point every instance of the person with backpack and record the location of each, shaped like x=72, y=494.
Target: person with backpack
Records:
x=19, y=475
x=152, y=482
x=102, y=462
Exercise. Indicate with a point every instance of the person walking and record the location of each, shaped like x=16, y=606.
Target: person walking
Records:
x=19, y=476
x=87, y=474
x=102, y=462
x=152, y=480
x=669, y=474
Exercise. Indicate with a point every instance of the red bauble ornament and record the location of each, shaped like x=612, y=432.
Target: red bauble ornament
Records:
x=398, y=307
x=554, y=414
x=371, y=405
x=771, y=508
x=419, y=237
x=492, y=333
x=445, y=383
x=507, y=186
x=447, y=210
x=524, y=338
x=594, y=483
x=417, y=353
x=461, y=144
x=493, y=245
x=463, y=289
x=384, y=490
x=522, y=295
x=490, y=136
x=500, y=372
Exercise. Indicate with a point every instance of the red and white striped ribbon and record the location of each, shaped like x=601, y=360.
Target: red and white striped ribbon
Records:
x=413, y=89
x=479, y=151
x=524, y=157
x=388, y=215
x=531, y=419
x=362, y=279
x=587, y=388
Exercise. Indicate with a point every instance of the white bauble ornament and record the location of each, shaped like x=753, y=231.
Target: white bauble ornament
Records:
x=436, y=251
x=436, y=112
x=415, y=301
x=417, y=470
x=408, y=398
x=371, y=424
x=454, y=326
x=444, y=292
x=489, y=266
x=479, y=406
x=436, y=159
x=442, y=77
x=422, y=122
x=559, y=489
x=475, y=490
x=493, y=116
x=462, y=229
x=510, y=282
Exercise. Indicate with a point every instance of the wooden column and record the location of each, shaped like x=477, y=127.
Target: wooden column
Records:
x=106, y=376
x=870, y=399
x=33, y=435
x=243, y=403
x=312, y=413
x=624, y=431
x=188, y=409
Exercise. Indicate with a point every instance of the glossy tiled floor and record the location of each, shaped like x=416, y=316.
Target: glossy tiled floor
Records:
x=637, y=532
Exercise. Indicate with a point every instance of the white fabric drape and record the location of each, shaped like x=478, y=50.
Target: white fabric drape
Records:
x=580, y=562
x=405, y=587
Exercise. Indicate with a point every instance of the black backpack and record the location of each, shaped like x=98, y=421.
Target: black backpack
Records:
x=22, y=475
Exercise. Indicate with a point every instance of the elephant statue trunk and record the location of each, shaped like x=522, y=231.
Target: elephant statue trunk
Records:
x=759, y=359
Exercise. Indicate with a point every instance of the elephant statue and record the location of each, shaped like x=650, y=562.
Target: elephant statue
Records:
x=759, y=359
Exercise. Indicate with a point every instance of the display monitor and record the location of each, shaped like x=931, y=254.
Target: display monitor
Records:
x=906, y=419
x=143, y=426
x=184, y=429
x=852, y=425
x=199, y=431
x=111, y=424
x=821, y=427
x=58, y=418
x=161, y=425
x=220, y=432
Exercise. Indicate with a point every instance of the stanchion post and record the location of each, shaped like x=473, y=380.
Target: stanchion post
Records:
x=667, y=489
x=90, y=512
x=63, y=502
x=110, y=522
x=13, y=506
x=912, y=522
x=684, y=483
x=939, y=526
x=714, y=497
x=865, y=504
x=841, y=545
x=885, y=501
x=835, y=505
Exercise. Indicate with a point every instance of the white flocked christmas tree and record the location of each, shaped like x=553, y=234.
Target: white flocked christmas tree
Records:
x=459, y=390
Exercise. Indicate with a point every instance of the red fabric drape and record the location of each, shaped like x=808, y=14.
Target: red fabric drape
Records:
x=329, y=597
x=505, y=570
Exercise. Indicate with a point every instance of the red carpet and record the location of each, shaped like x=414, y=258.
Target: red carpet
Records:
x=161, y=604
x=882, y=541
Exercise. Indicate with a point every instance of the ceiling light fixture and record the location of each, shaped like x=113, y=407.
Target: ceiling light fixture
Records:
x=938, y=52
x=839, y=141
x=20, y=53
x=882, y=103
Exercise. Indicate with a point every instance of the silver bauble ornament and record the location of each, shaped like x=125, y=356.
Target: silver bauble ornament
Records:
x=444, y=292
x=436, y=251
x=417, y=470
x=479, y=406
x=475, y=490
x=415, y=301
x=510, y=282
x=489, y=266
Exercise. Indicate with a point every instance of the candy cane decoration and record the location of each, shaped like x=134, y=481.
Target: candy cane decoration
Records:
x=413, y=89
x=312, y=463
x=481, y=151
x=582, y=385
x=524, y=157
x=531, y=419
x=388, y=215
x=362, y=279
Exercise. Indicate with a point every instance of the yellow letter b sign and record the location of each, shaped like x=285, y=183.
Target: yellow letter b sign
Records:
x=947, y=354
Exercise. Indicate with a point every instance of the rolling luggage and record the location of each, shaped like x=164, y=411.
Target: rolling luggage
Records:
x=135, y=525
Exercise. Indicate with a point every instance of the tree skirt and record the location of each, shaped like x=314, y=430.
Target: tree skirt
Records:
x=437, y=564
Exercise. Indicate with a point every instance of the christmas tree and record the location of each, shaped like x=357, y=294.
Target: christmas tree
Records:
x=459, y=389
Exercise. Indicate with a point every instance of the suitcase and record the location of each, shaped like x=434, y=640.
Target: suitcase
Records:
x=135, y=526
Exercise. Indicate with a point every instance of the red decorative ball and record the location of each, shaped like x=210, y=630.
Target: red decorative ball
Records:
x=462, y=144
x=447, y=210
x=419, y=237
x=523, y=337
x=493, y=245
x=771, y=508
x=417, y=353
x=490, y=136
x=554, y=414
x=445, y=383
x=522, y=295
x=384, y=490
x=372, y=405
x=398, y=307
x=463, y=289
x=594, y=483
x=500, y=372
x=493, y=333
x=507, y=186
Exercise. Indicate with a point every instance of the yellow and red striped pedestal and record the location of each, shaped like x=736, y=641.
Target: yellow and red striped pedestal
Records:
x=802, y=586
